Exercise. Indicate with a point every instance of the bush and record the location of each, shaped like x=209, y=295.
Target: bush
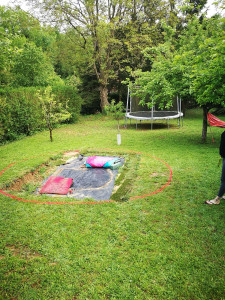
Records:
x=21, y=112
x=69, y=94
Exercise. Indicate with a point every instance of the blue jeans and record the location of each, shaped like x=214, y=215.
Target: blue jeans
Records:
x=222, y=185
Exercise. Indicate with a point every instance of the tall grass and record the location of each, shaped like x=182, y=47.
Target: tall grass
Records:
x=166, y=246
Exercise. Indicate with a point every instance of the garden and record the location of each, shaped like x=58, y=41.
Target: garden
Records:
x=164, y=246
x=139, y=231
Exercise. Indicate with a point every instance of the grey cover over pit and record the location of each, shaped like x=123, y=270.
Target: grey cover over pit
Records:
x=95, y=183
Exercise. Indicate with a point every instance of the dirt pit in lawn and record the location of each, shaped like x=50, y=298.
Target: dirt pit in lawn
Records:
x=94, y=183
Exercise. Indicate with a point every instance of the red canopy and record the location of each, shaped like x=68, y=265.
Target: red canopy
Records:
x=214, y=121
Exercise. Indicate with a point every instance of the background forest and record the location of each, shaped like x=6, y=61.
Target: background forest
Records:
x=88, y=51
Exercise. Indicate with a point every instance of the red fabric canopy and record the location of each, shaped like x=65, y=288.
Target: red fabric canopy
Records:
x=214, y=121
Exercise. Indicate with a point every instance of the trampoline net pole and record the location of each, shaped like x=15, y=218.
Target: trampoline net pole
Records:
x=152, y=115
x=128, y=96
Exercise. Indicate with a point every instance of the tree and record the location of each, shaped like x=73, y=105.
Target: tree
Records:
x=26, y=57
x=205, y=54
x=94, y=19
x=117, y=112
x=10, y=43
x=99, y=24
x=32, y=68
x=193, y=65
x=53, y=111
x=6, y=53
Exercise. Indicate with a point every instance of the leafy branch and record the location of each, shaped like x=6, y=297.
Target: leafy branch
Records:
x=53, y=111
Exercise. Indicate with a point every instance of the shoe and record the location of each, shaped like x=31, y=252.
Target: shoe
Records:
x=215, y=201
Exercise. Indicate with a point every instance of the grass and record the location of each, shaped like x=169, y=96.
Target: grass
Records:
x=165, y=246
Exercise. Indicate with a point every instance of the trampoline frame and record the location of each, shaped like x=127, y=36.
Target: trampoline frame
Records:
x=152, y=113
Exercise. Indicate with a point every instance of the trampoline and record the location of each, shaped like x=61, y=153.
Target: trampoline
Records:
x=142, y=113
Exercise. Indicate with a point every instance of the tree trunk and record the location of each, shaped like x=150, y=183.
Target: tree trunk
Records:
x=103, y=96
x=204, y=127
x=50, y=131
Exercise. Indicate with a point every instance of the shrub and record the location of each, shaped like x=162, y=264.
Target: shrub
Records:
x=21, y=112
x=69, y=94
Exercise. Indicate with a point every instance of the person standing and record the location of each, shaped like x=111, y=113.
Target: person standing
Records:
x=222, y=184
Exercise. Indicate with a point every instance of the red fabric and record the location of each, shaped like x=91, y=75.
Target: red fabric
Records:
x=214, y=121
x=57, y=185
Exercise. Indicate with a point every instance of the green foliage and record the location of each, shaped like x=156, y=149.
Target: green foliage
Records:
x=111, y=39
x=53, y=111
x=27, y=54
x=90, y=94
x=21, y=112
x=104, y=50
x=5, y=59
x=31, y=68
x=69, y=96
x=191, y=66
x=115, y=110
x=204, y=54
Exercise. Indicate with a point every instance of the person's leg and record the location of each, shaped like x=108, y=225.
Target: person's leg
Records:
x=222, y=188
x=222, y=185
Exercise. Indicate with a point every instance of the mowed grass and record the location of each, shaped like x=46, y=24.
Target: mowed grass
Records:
x=165, y=246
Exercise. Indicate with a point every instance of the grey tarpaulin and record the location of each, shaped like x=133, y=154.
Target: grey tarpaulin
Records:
x=95, y=183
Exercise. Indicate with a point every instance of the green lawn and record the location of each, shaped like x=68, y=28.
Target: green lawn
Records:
x=165, y=246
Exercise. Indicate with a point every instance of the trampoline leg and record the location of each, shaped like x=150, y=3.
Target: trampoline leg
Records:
x=151, y=124
x=136, y=124
x=125, y=123
x=168, y=123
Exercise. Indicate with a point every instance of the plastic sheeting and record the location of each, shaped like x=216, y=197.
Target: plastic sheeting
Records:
x=95, y=183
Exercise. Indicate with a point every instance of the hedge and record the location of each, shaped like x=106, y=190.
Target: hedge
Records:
x=21, y=112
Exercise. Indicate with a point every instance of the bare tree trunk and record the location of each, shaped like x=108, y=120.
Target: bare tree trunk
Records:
x=51, y=138
x=103, y=96
x=204, y=127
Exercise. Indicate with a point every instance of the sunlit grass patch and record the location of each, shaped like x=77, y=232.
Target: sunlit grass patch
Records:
x=169, y=245
x=152, y=175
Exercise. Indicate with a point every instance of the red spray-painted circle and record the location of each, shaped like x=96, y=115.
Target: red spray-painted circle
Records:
x=90, y=202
